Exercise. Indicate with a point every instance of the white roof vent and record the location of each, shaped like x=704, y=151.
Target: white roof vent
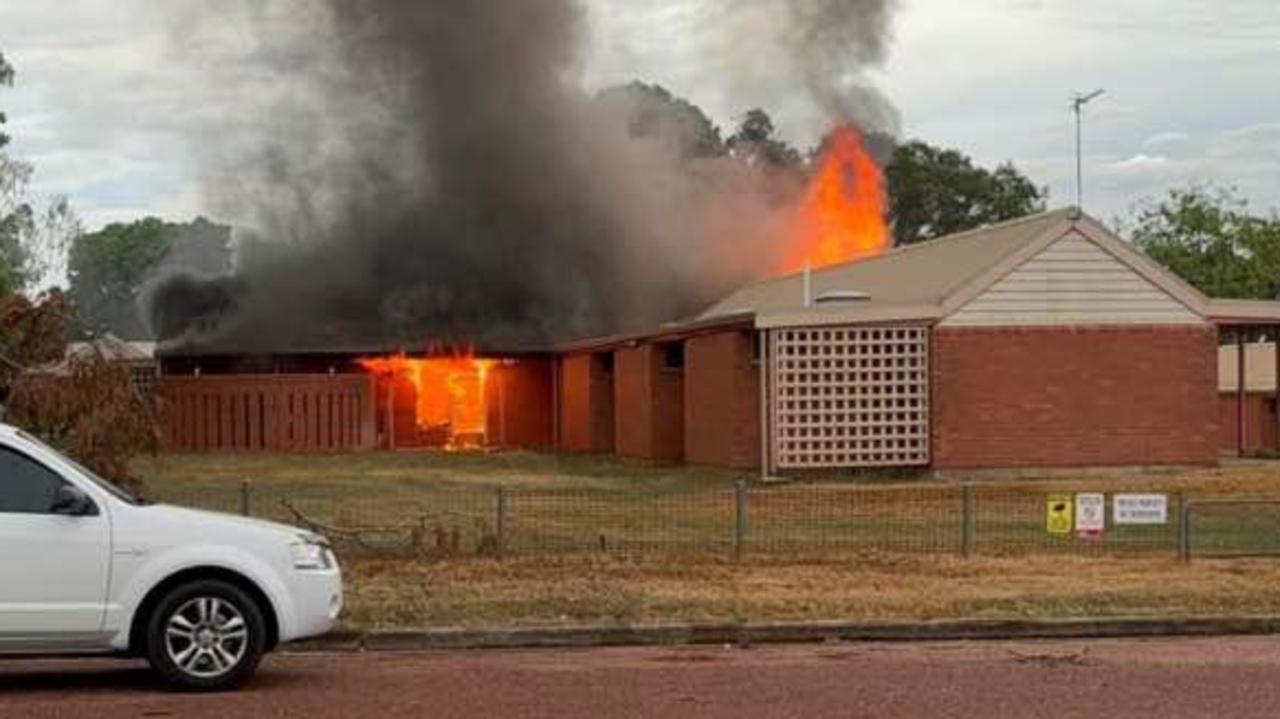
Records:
x=832, y=296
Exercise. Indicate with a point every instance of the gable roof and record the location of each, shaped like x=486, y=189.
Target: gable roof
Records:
x=931, y=280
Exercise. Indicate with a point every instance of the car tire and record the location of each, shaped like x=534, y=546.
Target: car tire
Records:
x=206, y=635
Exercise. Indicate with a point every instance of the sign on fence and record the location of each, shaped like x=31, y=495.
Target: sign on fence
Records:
x=1140, y=508
x=1058, y=514
x=1091, y=515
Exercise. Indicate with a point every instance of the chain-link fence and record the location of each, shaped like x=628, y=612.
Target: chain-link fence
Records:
x=993, y=519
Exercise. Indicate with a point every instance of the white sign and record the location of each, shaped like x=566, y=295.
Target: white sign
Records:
x=1091, y=512
x=1140, y=508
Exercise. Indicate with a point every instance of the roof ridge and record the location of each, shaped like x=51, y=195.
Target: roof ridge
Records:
x=924, y=244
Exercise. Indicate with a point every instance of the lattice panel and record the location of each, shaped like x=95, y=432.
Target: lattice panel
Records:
x=850, y=396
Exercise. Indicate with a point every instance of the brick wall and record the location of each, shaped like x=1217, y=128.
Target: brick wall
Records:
x=1259, y=422
x=575, y=402
x=518, y=400
x=722, y=401
x=648, y=405
x=1063, y=396
x=586, y=403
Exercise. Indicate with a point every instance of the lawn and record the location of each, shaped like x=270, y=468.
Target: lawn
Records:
x=609, y=589
x=598, y=539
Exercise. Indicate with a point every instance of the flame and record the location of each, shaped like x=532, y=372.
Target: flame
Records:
x=450, y=391
x=841, y=216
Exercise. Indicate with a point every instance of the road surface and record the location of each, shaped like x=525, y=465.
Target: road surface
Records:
x=1235, y=677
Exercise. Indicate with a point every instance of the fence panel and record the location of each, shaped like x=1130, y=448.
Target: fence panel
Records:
x=558, y=521
x=814, y=518
x=1233, y=527
x=456, y=519
x=1014, y=520
x=267, y=412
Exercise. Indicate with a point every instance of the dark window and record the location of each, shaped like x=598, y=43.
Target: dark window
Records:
x=26, y=486
x=673, y=356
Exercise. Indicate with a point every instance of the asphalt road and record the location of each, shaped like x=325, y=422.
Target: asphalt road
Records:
x=1236, y=677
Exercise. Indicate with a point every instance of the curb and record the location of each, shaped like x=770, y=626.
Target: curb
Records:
x=782, y=632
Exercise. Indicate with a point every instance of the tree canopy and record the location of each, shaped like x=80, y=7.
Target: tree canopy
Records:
x=652, y=111
x=6, y=80
x=1208, y=237
x=108, y=268
x=15, y=216
x=757, y=143
x=33, y=235
x=935, y=191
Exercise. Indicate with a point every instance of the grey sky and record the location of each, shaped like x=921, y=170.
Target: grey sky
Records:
x=114, y=108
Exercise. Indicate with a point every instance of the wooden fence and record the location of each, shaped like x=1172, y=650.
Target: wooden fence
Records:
x=284, y=413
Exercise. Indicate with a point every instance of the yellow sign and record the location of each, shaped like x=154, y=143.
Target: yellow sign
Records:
x=1058, y=515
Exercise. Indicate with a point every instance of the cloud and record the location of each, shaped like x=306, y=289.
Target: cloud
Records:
x=1166, y=138
x=1139, y=165
x=103, y=91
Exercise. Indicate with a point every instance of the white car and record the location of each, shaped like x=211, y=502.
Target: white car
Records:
x=85, y=567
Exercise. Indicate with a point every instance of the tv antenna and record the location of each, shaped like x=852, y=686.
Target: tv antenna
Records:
x=1078, y=101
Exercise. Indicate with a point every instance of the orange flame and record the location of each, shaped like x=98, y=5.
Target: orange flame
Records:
x=450, y=391
x=842, y=214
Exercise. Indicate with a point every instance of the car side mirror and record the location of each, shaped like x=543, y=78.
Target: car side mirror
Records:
x=71, y=501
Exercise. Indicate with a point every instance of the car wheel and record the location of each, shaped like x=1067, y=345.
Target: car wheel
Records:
x=207, y=635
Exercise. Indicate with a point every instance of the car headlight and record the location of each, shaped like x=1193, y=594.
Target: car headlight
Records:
x=310, y=552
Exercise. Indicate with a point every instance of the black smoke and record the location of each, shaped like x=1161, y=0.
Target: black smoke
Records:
x=432, y=172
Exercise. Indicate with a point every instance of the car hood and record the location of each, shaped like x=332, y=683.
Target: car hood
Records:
x=205, y=522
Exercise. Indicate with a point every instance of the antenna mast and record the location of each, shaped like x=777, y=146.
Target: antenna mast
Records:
x=1078, y=101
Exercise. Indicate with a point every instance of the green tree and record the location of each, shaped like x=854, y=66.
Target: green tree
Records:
x=1208, y=237
x=651, y=111
x=109, y=268
x=935, y=191
x=6, y=80
x=757, y=143
x=15, y=215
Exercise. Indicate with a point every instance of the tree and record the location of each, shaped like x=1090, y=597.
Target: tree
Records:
x=85, y=403
x=109, y=268
x=756, y=142
x=651, y=111
x=32, y=333
x=1208, y=237
x=13, y=217
x=6, y=80
x=935, y=191
x=32, y=241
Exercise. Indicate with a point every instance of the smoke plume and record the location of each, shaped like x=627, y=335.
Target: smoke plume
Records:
x=429, y=171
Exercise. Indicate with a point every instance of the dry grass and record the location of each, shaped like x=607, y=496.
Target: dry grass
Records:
x=530, y=470
x=669, y=546
x=572, y=503
x=392, y=593
x=421, y=468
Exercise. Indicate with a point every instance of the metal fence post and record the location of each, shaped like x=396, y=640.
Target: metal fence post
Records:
x=739, y=517
x=245, y=506
x=500, y=523
x=968, y=519
x=1184, y=527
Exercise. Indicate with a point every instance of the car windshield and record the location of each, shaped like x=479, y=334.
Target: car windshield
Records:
x=115, y=491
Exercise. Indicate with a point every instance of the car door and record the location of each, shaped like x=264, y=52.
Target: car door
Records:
x=53, y=568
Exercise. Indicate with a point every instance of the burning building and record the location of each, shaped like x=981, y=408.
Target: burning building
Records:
x=1044, y=341
x=449, y=215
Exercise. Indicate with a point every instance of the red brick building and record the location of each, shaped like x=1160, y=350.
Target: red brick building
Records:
x=1042, y=342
